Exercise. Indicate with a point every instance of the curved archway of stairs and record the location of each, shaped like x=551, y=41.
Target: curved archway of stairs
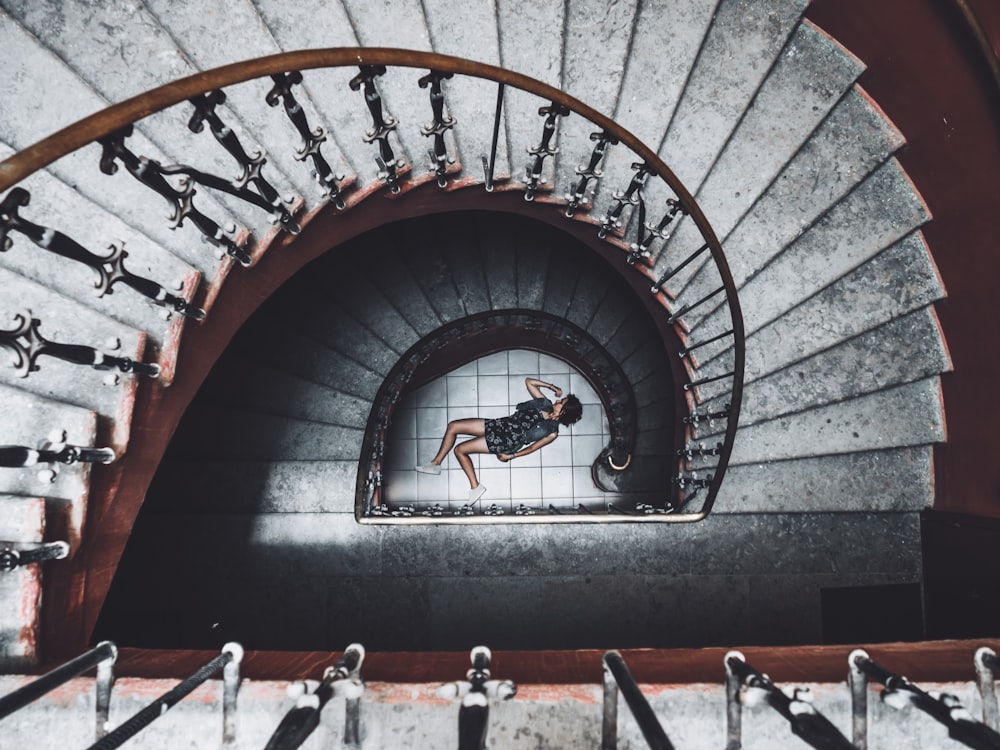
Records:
x=755, y=109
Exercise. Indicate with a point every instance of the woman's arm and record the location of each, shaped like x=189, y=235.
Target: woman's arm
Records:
x=537, y=445
x=534, y=384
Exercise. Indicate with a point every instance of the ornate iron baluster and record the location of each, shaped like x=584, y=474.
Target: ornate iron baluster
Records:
x=312, y=140
x=640, y=250
x=692, y=479
x=590, y=172
x=441, y=124
x=631, y=197
x=475, y=692
x=150, y=173
x=204, y=111
x=28, y=345
x=110, y=269
x=382, y=125
x=18, y=456
x=533, y=175
x=11, y=559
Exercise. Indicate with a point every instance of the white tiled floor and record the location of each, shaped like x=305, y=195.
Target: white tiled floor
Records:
x=490, y=387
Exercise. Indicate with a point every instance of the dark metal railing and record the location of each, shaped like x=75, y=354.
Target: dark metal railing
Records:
x=343, y=678
x=18, y=456
x=745, y=686
x=900, y=693
x=179, y=184
x=618, y=678
x=102, y=657
x=227, y=662
x=475, y=692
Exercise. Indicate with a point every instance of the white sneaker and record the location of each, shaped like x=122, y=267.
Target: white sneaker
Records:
x=477, y=493
x=428, y=468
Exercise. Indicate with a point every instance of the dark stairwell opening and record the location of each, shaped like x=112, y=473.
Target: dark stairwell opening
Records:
x=248, y=530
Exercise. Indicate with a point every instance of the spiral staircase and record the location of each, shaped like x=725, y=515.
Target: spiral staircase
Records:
x=755, y=110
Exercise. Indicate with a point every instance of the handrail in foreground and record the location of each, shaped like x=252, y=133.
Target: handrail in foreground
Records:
x=617, y=677
x=109, y=125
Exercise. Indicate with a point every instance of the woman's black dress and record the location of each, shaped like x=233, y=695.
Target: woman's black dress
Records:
x=523, y=427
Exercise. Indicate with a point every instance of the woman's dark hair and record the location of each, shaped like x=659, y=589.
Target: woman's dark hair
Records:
x=571, y=412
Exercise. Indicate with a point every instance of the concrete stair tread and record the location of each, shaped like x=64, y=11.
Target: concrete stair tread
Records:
x=856, y=137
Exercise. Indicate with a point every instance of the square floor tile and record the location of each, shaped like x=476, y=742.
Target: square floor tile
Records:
x=557, y=481
x=586, y=448
x=400, y=486
x=494, y=412
x=581, y=388
x=431, y=487
x=431, y=422
x=583, y=484
x=462, y=391
x=434, y=393
x=498, y=483
x=532, y=460
x=550, y=365
x=427, y=449
x=493, y=390
x=560, y=452
x=404, y=422
x=523, y=362
x=466, y=369
x=402, y=455
x=591, y=423
x=525, y=484
x=493, y=364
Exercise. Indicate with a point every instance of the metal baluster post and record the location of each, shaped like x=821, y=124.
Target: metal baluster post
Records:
x=475, y=692
x=301, y=721
x=490, y=166
x=609, y=723
x=987, y=665
x=102, y=689
x=650, y=726
x=104, y=653
x=734, y=708
x=859, y=700
x=168, y=700
x=230, y=693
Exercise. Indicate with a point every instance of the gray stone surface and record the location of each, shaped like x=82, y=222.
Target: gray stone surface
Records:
x=832, y=247
x=472, y=33
x=807, y=81
x=908, y=414
x=888, y=480
x=220, y=433
x=121, y=194
x=854, y=138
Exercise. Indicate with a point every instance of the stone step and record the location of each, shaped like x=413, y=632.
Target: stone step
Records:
x=597, y=42
x=811, y=76
x=856, y=137
x=213, y=34
x=894, y=479
x=118, y=68
x=760, y=575
x=31, y=420
x=57, y=206
x=904, y=415
x=238, y=381
x=22, y=519
x=905, y=349
x=651, y=89
x=474, y=30
x=108, y=393
x=234, y=485
x=217, y=433
x=530, y=43
x=833, y=247
x=286, y=349
x=120, y=195
x=866, y=298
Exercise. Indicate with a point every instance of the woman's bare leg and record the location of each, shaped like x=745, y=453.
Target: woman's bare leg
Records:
x=462, y=451
x=474, y=427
